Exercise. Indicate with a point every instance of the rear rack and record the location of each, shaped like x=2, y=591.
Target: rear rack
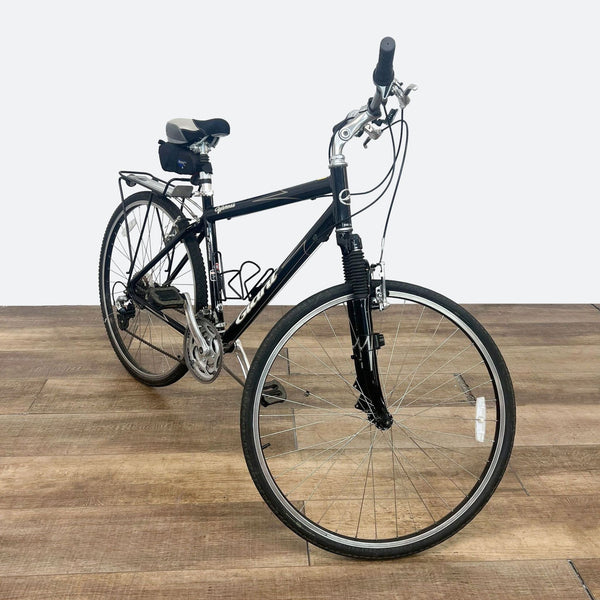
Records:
x=156, y=185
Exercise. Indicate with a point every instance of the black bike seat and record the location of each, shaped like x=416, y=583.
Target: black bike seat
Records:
x=189, y=131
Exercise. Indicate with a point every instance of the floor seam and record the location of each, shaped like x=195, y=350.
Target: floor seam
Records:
x=519, y=480
x=585, y=587
x=36, y=397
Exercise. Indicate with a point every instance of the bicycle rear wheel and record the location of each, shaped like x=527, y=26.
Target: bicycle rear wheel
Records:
x=335, y=479
x=149, y=348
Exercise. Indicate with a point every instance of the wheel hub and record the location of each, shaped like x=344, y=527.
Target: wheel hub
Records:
x=379, y=416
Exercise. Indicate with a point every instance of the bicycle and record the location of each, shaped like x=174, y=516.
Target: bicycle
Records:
x=377, y=416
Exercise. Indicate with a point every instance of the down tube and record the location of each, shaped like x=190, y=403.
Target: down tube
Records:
x=318, y=234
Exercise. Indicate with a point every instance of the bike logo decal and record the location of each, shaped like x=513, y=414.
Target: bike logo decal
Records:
x=256, y=298
x=220, y=209
x=344, y=196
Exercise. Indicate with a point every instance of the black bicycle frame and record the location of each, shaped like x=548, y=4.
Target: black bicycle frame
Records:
x=205, y=229
x=365, y=341
x=317, y=234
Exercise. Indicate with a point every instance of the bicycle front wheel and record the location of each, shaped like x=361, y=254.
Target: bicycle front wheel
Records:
x=336, y=479
x=149, y=348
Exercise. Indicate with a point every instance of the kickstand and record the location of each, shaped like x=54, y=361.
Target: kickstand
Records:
x=240, y=354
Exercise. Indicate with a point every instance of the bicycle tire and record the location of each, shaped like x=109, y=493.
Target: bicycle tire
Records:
x=335, y=479
x=151, y=350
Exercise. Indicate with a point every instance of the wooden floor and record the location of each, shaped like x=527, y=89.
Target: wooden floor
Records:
x=109, y=489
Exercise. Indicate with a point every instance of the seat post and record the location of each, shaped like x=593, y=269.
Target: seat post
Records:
x=203, y=179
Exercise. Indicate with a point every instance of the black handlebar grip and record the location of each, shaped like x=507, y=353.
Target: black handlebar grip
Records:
x=384, y=71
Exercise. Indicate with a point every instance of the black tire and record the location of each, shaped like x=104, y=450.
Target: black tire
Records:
x=332, y=476
x=150, y=349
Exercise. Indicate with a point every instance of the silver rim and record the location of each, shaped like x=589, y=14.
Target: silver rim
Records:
x=343, y=479
x=149, y=346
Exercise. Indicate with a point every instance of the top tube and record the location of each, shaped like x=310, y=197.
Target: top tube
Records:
x=305, y=191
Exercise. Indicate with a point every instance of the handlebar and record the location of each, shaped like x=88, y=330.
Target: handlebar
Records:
x=359, y=121
x=383, y=74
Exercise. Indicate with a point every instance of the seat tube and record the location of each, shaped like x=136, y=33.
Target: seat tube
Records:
x=365, y=342
x=204, y=180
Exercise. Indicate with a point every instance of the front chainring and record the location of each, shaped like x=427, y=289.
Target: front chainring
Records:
x=204, y=360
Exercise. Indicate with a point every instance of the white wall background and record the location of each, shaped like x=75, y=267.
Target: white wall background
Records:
x=499, y=201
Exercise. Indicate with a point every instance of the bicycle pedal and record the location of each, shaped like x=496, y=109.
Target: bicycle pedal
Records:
x=275, y=393
x=165, y=297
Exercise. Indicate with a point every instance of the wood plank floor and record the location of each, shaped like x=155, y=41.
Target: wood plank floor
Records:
x=109, y=489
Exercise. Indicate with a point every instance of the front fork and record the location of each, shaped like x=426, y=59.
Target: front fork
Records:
x=365, y=341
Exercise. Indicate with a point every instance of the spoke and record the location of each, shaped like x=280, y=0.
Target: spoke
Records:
x=451, y=380
x=334, y=371
x=333, y=411
x=318, y=485
x=362, y=502
x=413, y=374
x=439, y=448
x=347, y=479
x=335, y=453
x=441, y=418
x=394, y=480
x=461, y=394
x=408, y=347
x=135, y=255
x=332, y=368
x=394, y=346
x=266, y=435
x=337, y=339
x=373, y=485
x=422, y=360
x=410, y=389
x=454, y=450
x=427, y=483
x=412, y=483
x=304, y=391
x=445, y=403
x=143, y=334
x=125, y=256
x=313, y=446
x=460, y=435
x=407, y=433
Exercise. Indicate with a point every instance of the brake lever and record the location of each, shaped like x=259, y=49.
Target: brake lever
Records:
x=403, y=93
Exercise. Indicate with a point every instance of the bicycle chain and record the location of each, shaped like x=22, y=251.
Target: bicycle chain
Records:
x=137, y=337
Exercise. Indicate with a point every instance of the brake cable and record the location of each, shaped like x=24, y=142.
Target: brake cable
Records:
x=404, y=125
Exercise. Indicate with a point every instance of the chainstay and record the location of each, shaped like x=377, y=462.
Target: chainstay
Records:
x=137, y=337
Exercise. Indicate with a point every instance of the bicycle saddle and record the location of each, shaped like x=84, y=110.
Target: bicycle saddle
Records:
x=189, y=131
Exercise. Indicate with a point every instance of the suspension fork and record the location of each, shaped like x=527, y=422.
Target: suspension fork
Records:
x=365, y=341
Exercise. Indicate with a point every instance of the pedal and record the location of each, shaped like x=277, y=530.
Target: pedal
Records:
x=165, y=297
x=275, y=391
